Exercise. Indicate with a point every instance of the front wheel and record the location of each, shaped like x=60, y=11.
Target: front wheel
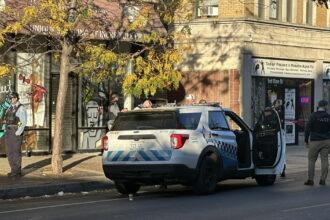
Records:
x=127, y=187
x=265, y=180
x=208, y=175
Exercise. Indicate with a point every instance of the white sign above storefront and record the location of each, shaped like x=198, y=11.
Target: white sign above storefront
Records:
x=282, y=68
x=326, y=71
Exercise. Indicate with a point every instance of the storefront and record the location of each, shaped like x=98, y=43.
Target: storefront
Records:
x=85, y=111
x=291, y=83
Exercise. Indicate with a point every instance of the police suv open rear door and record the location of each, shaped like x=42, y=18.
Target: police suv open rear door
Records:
x=268, y=149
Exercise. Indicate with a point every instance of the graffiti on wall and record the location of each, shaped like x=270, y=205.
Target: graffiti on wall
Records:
x=30, y=87
x=6, y=88
x=94, y=102
x=30, y=81
x=3, y=108
x=94, y=119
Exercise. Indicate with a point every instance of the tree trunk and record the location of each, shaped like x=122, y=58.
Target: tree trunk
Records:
x=57, y=160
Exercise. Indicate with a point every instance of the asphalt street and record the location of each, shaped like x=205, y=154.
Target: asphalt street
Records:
x=234, y=199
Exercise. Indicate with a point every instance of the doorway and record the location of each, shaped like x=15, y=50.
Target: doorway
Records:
x=70, y=112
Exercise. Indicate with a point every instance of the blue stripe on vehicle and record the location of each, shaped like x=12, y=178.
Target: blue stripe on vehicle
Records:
x=129, y=155
x=118, y=154
x=108, y=155
x=144, y=155
x=169, y=153
x=157, y=155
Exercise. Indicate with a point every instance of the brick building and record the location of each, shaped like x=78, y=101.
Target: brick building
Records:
x=248, y=53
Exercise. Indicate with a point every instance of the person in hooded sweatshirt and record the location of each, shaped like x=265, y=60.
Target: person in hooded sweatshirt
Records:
x=317, y=141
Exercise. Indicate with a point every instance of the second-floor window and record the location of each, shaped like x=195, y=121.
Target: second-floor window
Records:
x=207, y=8
x=309, y=12
x=289, y=8
x=273, y=9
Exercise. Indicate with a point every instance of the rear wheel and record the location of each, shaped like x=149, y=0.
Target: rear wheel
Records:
x=127, y=187
x=208, y=175
x=265, y=180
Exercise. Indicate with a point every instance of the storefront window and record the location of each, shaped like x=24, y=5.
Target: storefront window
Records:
x=32, y=85
x=294, y=95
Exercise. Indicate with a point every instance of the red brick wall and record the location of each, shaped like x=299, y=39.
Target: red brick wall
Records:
x=213, y=86
x=234, y=88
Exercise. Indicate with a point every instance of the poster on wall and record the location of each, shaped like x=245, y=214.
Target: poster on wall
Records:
x=290, y=132
x=326, y=71
x=30, y=87
x=290, y=103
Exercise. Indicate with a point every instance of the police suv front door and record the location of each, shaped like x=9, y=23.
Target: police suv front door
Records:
x=268, y=151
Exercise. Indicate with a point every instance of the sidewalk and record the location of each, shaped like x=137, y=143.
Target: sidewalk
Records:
x=81, y=173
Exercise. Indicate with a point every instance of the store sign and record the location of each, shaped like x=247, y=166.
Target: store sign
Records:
x=326, y=71
x=98, y=34
x=282, y=68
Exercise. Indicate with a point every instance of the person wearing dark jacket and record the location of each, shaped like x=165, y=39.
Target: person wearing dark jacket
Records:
x=317, y=141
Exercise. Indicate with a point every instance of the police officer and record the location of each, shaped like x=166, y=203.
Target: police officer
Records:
x=15, y=119
x=317, y=130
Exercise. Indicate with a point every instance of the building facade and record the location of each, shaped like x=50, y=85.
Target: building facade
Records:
x=247, y=54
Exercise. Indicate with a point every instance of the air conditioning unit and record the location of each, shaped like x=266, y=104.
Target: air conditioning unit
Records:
x=207, y=11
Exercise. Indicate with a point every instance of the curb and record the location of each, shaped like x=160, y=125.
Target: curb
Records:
x=36, y=191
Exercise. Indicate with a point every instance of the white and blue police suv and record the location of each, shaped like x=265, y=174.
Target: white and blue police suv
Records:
x=197, y=145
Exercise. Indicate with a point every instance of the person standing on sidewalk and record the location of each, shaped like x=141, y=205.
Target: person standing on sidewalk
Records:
x=317, y=130
x=16, y=120
x=114, y=107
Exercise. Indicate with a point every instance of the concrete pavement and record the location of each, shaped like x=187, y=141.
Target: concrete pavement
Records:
x=83, y=172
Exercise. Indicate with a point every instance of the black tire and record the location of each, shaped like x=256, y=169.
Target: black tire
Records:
x=265, y=180
x=126, y=187
x=208, y=175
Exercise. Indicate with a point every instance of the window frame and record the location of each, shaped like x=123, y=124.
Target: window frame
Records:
x=208, y=4
x=223, y=117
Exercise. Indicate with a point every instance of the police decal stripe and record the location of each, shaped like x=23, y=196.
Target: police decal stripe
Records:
x=150, y=155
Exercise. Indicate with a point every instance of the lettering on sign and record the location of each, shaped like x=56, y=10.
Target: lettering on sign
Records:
x=282, y=68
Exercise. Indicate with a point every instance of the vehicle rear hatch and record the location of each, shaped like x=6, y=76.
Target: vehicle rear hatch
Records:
x=142, y=136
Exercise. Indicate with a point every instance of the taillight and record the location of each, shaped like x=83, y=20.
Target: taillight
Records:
x=105, y=143
x=178, y=140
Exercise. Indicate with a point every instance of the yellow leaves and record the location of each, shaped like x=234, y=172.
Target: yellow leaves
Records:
x=108, y=57
x=30, y=14
x=5, y=69
x=2, y=39
x=129, y=80
x=12, y=28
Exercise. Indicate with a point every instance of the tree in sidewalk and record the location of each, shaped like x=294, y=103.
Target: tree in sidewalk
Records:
x=85, y=36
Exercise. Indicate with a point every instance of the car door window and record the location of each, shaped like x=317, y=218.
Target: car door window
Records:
x=232, y=124
x=217, y=121
x=268, y=121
